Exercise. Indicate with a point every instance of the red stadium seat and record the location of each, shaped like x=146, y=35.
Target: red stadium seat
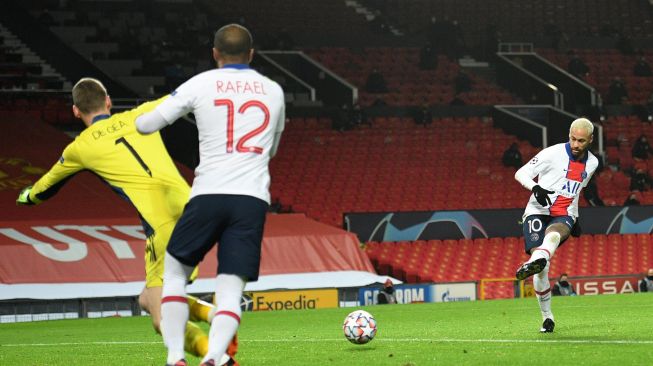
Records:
x=473, y=260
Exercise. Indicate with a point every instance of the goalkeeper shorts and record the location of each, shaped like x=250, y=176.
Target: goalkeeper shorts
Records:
x=155, y=251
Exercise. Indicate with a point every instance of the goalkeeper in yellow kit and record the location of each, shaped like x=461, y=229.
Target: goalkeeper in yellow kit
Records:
x=138, y=168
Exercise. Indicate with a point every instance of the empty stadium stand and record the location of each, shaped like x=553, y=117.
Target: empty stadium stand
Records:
x=518, y=20
x=407, y=84
x=454, y=163
x=146, y=46
x=620, y=133
x=604, y=66
x=21, y=68
x=470, y=260
x=52, y=107
x=395, y=165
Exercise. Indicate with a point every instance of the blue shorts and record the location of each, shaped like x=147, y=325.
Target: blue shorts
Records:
x=535, y=227
x=234, y=221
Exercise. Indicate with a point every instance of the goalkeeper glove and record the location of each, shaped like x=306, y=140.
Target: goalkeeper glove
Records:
x=23, y=197
x=541, y=195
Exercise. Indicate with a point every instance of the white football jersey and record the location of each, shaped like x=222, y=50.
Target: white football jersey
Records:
x=557, y=171
x=238, y=111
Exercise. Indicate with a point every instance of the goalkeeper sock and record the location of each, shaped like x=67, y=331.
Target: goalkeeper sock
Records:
x=233, y=346
x=548, y=247
x=200, y=310
x=542, y=289
x=196, y=342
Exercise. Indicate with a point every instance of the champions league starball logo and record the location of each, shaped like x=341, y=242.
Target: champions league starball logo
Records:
x=465, y=222
x=628, y=225
x=246, y=303
x=583, y=175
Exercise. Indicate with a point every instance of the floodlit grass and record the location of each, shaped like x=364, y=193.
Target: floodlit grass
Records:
x=590, y=330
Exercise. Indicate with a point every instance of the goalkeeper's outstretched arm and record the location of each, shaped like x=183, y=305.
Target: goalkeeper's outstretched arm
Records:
x=50, y=183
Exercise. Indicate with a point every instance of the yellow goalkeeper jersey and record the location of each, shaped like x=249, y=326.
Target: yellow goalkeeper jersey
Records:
x=136, y=166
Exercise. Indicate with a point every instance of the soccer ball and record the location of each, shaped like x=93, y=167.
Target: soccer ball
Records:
x=359, y=327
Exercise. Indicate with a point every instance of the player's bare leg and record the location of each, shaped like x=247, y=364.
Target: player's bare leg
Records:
x=196, y=340
x=150, y=301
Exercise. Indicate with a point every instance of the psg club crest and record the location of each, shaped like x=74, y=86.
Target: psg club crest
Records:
x=583, y=175
x=535, y=237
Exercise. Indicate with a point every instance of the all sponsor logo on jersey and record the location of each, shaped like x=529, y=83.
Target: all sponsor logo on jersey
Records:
x=571, y=187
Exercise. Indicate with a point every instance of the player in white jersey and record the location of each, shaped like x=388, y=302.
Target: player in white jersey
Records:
x=552, y=211
x=240, y=116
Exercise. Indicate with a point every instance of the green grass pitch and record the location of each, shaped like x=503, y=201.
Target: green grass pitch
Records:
x=590, y=330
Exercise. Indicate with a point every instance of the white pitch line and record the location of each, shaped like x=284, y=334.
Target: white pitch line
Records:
x=389, y=340
x=110, y=343
x=449, y=340
x=579, y=341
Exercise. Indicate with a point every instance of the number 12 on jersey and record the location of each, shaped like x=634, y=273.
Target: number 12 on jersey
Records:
x=240, y=145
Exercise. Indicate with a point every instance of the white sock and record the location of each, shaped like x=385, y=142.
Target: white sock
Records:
x=229, y=290
x=548, y=247
x=174, y=307
x=542, y=288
